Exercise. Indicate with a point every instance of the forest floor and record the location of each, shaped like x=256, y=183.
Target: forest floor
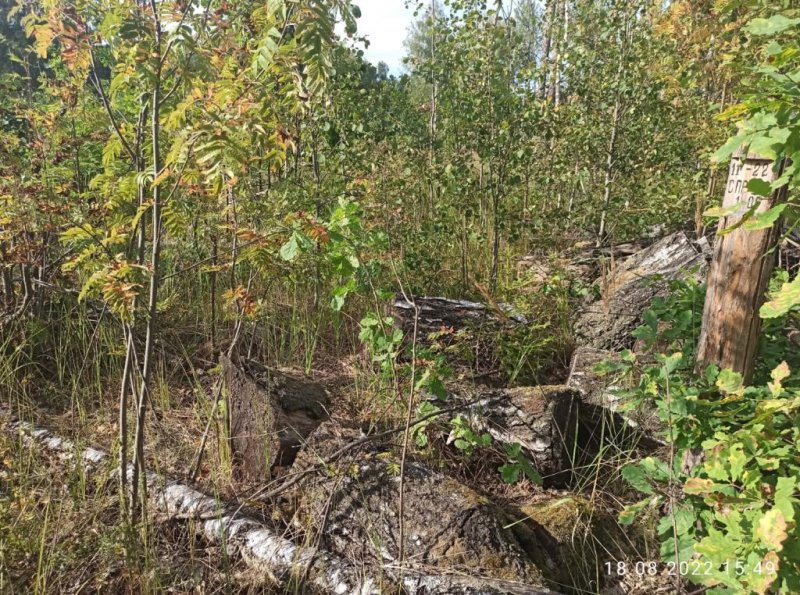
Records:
x=60, y=523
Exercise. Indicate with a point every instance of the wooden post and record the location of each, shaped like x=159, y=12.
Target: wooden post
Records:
x=739, y=273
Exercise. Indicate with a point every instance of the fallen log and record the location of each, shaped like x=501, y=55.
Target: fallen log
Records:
x=263, y=550
x=271, y=414
x=628, y=290
x=541, y=419
x=470, y=332
x=451, y=528
x=641, y=425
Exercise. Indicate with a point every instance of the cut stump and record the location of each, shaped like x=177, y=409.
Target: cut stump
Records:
x=271, y=413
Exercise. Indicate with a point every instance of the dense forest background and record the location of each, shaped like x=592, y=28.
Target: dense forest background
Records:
x=184, y=179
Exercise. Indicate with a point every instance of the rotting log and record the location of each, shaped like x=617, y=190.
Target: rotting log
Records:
x=471, y=331
x=544, y=420
x=451, y=529
x=271, y=556
x=639, y=426
x=628, y=290
x=271, y=413
x=740, y=271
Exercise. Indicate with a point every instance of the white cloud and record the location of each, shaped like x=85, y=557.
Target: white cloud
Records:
x=385, y=23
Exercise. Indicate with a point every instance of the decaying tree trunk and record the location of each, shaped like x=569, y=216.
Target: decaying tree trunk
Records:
x=629, y=288
x=544, y=420
x=271, y=414
x=739, y=273
x=474, y=327
x=267, y=553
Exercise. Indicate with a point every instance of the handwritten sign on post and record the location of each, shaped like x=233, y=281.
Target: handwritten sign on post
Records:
x=743, y=169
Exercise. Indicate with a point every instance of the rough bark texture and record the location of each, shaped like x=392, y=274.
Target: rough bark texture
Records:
x=594, y=387
x=448, y=526
x=470, y=329
x=542, y=419
x=628, y=290
x=739, y=275
x=271, y=413
x=598, y=390
x=277, y=559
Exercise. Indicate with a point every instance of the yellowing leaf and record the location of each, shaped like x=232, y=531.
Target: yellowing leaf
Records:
x=698, y=486
x=162, y=176
x=771, y=529
x=730, y=382
x=724, y=211
x=780, y=373
x=766, y=219
x=783, y=301
x=44, y=36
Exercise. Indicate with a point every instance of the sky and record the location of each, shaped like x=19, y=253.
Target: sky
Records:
x=385, y=23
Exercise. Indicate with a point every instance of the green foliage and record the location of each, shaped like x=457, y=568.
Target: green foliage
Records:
x=518, y=466
x=737, y=515
x=728, y=508
x=464, y=438
x=382, y=339
x=768, y=122
x=673, y=322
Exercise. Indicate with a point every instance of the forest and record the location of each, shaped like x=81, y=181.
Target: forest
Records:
x=519, y=317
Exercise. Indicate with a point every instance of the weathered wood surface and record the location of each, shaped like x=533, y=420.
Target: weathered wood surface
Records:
x=627, y=291
x=436, y=312
x=601, y=391
x=271, y=413
x=473, y=329
x=739, y=273
x=542, y=419
x=264, y=550
x=448, y=527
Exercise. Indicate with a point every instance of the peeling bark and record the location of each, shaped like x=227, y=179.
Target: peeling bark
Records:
x=265, y=551
x=262, y=549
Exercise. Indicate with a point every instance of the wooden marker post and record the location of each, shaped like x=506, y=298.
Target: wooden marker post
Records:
x=739, y=273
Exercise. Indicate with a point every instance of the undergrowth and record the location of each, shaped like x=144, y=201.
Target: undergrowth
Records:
x=724, y=493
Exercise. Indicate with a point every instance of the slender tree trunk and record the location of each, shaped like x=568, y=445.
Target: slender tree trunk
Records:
x=213, y=298
x=131, y=364
x=8, y=278
x=550, y=10
x=152, y=303
x=27, y=285
x=561, y=47
x=495, y=241
x=609, y=170
x=123, y=421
